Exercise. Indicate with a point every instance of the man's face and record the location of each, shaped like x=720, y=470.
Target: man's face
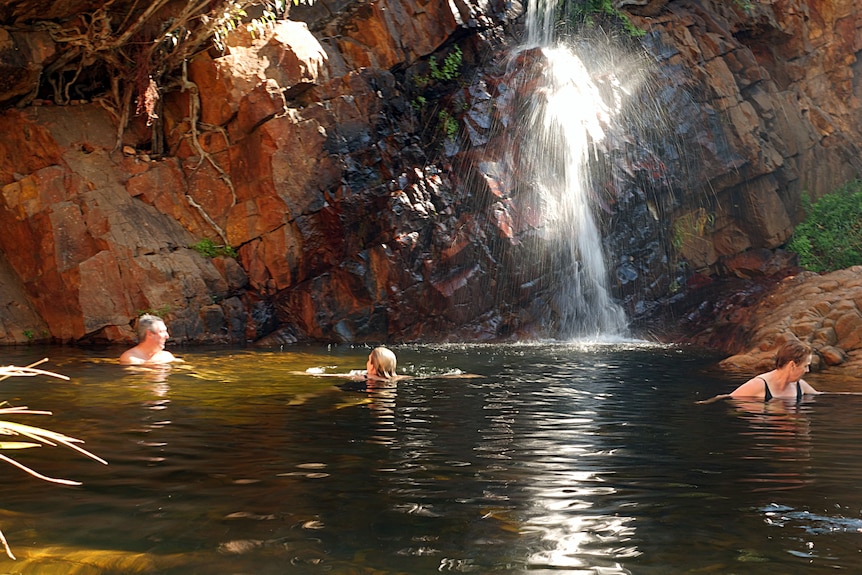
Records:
x=159, y=333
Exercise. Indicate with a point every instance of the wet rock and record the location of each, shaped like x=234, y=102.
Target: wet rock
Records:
x=832, y=355
x=311, y=161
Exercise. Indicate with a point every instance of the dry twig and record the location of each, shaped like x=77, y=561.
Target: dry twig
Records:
x=37, y=435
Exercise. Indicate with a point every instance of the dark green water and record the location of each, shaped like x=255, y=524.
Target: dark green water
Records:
x=583, y=459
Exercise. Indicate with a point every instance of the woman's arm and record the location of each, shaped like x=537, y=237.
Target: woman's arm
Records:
x=807, y=389
x=713, y=399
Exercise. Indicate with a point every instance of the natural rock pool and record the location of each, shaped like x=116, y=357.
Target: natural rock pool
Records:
x=581, y=458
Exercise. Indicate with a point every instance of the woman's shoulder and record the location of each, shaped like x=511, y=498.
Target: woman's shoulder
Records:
x=754, y=387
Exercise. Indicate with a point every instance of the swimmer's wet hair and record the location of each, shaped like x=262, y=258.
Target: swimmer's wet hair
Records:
x=794, y=351
x=384, y=362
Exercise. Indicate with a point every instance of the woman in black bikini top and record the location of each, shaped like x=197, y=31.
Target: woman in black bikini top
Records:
x=768, y=394
x=791, y=363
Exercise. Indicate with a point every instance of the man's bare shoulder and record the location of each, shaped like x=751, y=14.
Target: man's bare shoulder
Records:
x=134, y=356
x=164, y=356
x=131, y=357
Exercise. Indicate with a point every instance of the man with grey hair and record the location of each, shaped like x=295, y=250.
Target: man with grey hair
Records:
x=152, y=335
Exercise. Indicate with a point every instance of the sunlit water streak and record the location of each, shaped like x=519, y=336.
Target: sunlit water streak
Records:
x=588, y=458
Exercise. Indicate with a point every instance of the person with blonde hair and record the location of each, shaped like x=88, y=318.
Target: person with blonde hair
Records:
x=381, y=364
x=380, y=367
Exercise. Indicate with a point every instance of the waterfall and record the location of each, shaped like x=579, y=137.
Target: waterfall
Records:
x=564, y=119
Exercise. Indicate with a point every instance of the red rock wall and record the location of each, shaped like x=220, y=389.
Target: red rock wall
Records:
x=97, y=235
x=310, y=162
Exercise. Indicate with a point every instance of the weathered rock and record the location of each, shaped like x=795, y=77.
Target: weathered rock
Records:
x=780, y=75
x=311, y=158
x=22, y=59
x=832, y=355
x=256, y=74
x=374, y=35
x=820, y=310
x=89, y=256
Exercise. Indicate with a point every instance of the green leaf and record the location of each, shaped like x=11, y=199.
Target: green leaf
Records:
x=830, y=238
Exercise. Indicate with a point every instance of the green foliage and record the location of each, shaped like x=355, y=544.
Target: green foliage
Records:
x=746, y=5
x=450, y=70
x=694, y=224
x=29, y=334
x=160, y=311
x=234, y=15
x=257, y=27
x=209, y=249
x=589, y=11
x=830, y=238
x=448, y=124
x=451, y=66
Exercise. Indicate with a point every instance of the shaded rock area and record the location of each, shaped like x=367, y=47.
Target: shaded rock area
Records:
x=824, y=311
x=764, y=103
x=316, y=159
x=773, y=114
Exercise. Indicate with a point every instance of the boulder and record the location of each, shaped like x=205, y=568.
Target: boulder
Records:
x=820, y=310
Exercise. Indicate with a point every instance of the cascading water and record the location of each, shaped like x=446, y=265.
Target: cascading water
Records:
x=565, y=118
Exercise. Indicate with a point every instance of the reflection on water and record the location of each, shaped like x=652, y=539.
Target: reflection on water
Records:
x=779, y=436
x=587, y=458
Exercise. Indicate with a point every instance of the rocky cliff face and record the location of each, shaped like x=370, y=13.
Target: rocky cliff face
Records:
x=313, y=151
x=779, y=85
x=774, y=113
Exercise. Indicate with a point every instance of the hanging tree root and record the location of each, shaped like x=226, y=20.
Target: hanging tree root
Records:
x=194, y=114
x=141, y=46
